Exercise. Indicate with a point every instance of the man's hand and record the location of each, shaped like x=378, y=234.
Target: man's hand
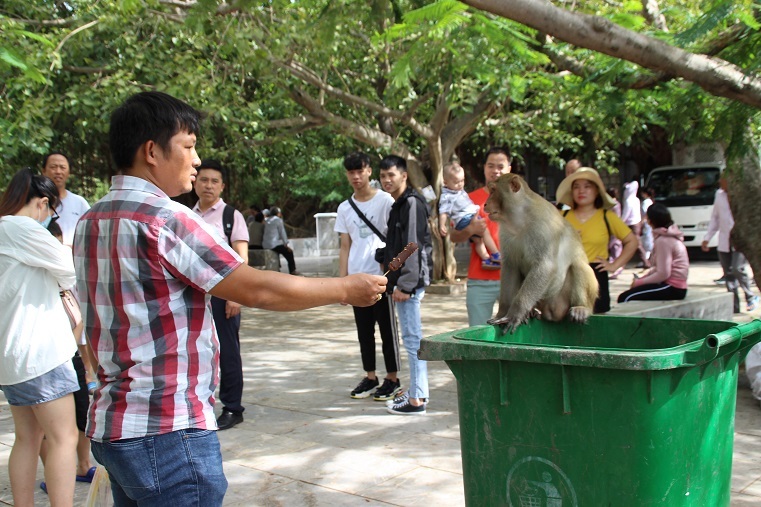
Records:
x=399, y=296
x=232, y=309
x=363, y=289
x=704, y=246
x=476, y=227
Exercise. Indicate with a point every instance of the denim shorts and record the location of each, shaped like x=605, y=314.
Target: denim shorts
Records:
x=56, y=383
x=464, y=222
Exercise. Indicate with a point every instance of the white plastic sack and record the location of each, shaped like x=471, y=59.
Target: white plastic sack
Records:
x=753, y=369
x=100, y=490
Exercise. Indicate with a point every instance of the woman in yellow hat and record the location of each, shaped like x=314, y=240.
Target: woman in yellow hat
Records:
x=585, y=193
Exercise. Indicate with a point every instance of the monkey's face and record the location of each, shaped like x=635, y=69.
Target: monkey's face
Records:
x=505, y=197
x=493, y=204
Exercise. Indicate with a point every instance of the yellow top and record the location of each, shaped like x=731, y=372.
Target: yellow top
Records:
x=594, y=234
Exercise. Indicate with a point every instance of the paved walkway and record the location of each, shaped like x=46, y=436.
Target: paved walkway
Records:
x=304, y=441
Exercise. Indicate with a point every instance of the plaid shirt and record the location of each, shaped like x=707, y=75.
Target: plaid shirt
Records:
x=144, y=264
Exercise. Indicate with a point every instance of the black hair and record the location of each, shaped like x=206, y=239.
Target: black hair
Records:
x=148, y=116
x=213, y=164
x=496, y=150
x=25, y=186
x=55, y=229
x=613, y=192
x=45, y=160
x=356, y=160
x=659, y=216
x=390, y=161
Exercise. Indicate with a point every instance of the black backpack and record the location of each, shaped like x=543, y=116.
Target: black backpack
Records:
x=228, y=220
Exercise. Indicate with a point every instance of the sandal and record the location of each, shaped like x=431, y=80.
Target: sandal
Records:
x=87, y=477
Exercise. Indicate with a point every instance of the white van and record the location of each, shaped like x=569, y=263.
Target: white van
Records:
x=688, y=192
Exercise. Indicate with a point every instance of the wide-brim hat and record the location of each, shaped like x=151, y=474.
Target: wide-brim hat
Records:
x=565, y=195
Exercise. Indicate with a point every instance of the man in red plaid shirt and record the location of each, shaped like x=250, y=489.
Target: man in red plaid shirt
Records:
x=146, y=267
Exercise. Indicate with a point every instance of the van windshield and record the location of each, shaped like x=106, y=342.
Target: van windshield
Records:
x=688, y=186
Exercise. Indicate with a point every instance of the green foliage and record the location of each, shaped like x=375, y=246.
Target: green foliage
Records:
x=60, y=82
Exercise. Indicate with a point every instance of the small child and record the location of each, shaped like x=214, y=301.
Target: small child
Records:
x=455, y=204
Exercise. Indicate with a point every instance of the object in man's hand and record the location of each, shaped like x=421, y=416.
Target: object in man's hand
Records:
x=397, y=262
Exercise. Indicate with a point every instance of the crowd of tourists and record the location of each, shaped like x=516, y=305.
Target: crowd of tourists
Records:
x=121, y=321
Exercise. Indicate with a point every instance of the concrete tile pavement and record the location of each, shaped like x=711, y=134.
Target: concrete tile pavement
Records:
x=304, y=441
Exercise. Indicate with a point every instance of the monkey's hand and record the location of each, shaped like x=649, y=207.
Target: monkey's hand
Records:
x=509, y=324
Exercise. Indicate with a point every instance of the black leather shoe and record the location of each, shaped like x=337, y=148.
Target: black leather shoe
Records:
x=228, y=419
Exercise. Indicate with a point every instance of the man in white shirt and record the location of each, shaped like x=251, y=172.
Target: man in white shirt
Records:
x=209, y=184
x=357, y=255
x=732, y=262
x=56, y=167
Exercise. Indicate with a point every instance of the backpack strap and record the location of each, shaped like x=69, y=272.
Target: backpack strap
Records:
x=228, y=220
x=366, y=220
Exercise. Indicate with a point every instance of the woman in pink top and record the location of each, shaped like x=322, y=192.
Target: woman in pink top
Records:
x=667, y=278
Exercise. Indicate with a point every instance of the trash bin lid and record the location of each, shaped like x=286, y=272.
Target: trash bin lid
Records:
x=630, y=343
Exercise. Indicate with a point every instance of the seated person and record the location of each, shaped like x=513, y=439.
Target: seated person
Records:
x=667, y=277
x=256, y=231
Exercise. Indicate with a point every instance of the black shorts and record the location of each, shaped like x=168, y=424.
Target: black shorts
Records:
x=81, y=397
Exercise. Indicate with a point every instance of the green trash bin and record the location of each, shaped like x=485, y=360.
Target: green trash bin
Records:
x=623, y=411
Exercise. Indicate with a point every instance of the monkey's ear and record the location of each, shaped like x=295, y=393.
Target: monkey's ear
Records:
x=515, y=185
x=491, y=186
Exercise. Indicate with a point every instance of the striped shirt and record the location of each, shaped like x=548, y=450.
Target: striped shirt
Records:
x=144, y=266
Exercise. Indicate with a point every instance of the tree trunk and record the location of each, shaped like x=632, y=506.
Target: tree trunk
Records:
x=744, y=180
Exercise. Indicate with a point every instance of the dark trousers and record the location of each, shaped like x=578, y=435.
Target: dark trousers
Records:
x=602, y=303
x=230, y=365
x=81, y=397
x=652, y=292
x=381, y=312
x=288, y=254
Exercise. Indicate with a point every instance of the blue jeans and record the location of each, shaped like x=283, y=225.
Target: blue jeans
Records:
x=412, y=333
x=181, y=468
x=480, y=299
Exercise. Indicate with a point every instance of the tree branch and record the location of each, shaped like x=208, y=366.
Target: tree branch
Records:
x=45, y=22
x=462, y=126
x=652, y=13
x=310, y=77
x=87, y=70
x=298, y=121
x=221, y=10
x=441, y=114
x=718, y=77
x=72, y=34
x=565, y=63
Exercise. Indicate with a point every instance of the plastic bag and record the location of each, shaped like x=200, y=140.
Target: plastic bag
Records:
x=100, y=490
x=753, y=369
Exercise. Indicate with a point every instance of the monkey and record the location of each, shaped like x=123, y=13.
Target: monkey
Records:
x=544, y=268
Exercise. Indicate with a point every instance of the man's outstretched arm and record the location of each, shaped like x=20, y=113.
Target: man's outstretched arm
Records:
x=271, y=290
